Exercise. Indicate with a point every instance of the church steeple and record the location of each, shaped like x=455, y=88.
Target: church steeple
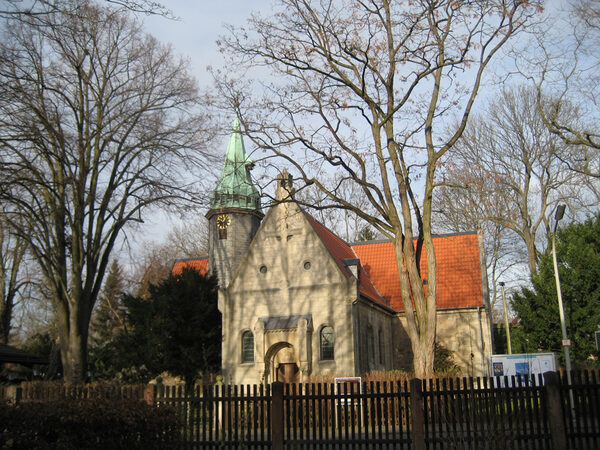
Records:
x=234, y=214
x=235, y=188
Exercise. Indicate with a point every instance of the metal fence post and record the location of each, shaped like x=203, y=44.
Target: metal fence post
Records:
x=277, y=415
x=556, y=417
x=417, y=414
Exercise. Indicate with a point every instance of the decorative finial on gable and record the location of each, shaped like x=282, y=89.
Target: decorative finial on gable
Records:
x=285, y=189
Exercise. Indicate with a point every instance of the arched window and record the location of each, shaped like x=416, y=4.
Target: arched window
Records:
x=247, y=347
x=327, y=341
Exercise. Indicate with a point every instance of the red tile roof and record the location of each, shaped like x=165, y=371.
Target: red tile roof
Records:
x=199, y=264
x=458, y=267
x=458, y=270
x=340, y=251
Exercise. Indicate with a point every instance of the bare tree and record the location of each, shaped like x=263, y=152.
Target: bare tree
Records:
x=188, y=239
x=343, y=222
x=365, y=88
x=95, y=120
x=508, y=167
x=16, y=8
x=563, y=63
x=463, y=207
x=13, y=277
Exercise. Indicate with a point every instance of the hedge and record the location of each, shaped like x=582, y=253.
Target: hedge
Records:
x=87, y=425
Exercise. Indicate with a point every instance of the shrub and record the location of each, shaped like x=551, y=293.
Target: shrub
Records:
x=86, y=425
x=444, y=364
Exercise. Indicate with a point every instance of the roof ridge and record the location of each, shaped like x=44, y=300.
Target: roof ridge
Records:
x=385, y=241
x=374, y=241
x=197, y=258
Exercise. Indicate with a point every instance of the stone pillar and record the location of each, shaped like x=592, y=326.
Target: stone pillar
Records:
x=303, y=344
x=259, y=350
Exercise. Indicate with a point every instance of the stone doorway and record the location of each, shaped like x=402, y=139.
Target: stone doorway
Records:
x=288, y=372
x=281, y=364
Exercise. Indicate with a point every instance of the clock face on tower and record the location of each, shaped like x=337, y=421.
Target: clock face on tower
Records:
x=223, y=221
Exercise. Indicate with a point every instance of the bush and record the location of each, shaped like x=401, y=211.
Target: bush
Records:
x=86, y=425
x=443, y=363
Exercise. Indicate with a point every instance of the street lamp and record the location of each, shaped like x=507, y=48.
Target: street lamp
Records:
x=566, y=342
x=560, y=212
x=506, y=319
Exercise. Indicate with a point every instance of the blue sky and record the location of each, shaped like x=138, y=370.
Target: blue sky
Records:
x=194, y=36
x=200, y=25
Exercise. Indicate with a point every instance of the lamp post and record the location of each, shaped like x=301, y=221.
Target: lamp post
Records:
x=560, y=211
x=506, y=319
x=566, y=342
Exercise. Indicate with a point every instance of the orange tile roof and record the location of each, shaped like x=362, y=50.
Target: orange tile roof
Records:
x=458, y=267
x=458, y=270
x=199, y=264
x=340, y=251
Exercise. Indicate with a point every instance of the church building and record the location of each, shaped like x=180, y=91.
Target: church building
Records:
x=297, y=301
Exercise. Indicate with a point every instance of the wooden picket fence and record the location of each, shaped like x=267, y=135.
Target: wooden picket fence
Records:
x=48, y=391
x=457, y=413
x=460, y=413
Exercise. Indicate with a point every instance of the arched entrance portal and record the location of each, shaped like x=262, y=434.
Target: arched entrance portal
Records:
x=281, y=364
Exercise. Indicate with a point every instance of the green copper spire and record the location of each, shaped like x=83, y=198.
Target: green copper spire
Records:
x=235, y=188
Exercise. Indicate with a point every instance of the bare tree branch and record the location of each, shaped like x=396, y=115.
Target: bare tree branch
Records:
x=98, y=122
x=364, y=88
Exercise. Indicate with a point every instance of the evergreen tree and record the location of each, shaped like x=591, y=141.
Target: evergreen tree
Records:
x=108, y=319
x=176, y=329
x=578, y=253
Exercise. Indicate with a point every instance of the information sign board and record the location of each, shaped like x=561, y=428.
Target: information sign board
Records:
x=523, y=364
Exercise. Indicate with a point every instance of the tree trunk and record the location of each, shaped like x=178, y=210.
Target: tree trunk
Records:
x=419, y=308
x=423, y=357
x=73, y=344
x=531, y=254
x=5, y=318
x=74, y=358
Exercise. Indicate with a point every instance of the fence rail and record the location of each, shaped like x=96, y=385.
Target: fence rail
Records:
x=47, y=391
x=458, y=413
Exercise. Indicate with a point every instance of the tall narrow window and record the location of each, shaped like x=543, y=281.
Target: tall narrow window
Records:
x=247, y=347
x=327, y=341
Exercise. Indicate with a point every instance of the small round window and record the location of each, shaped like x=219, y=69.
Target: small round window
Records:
x=307, y=265
x=263, y=269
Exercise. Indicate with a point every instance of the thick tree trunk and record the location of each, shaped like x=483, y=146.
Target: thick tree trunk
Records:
x=423, y=359
x=73, y=345
x=419, y=307
x=5, y=319
x=74, y=359
x=531, y=254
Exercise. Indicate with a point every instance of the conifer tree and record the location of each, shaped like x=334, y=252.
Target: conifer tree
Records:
x=578, y=253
